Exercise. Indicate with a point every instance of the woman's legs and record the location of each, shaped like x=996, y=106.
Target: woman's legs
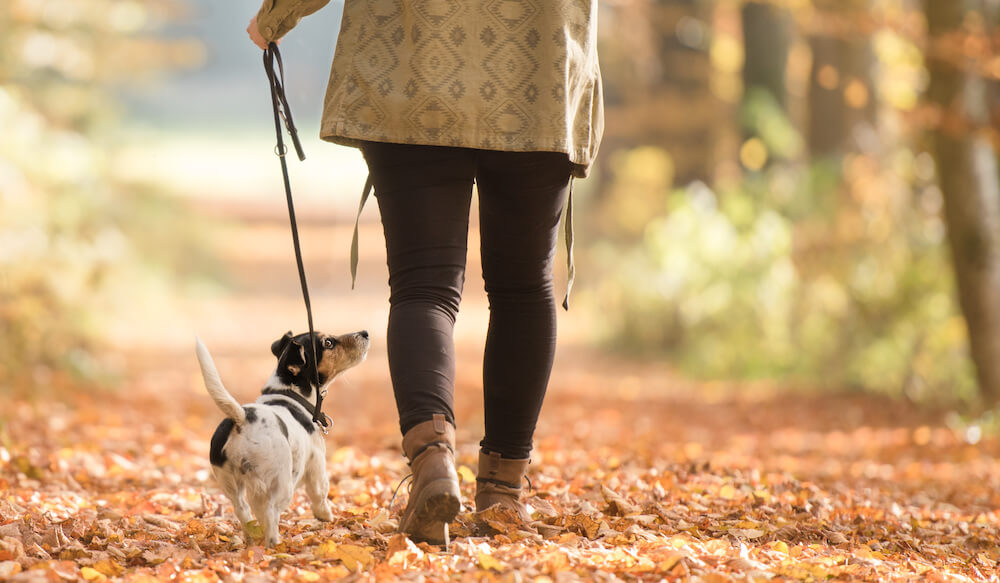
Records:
x=423, y=194
x=521, y=197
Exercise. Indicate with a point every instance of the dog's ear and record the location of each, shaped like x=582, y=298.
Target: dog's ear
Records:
x=293, y=358
x=278, y=346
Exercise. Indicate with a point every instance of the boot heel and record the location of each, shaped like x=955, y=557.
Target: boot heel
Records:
x=443, y=507
x=435, y=498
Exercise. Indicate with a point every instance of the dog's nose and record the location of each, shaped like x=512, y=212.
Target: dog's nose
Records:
x=363, y=334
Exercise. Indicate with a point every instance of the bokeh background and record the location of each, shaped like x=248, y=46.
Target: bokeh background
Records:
x=796, y=192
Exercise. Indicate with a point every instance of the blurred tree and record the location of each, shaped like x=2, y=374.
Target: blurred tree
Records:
x=962, y=142
x=657, y=80
x=825, y=269
x=767, y=35
x=64, y=228
x=766, y=128
x=842, y=97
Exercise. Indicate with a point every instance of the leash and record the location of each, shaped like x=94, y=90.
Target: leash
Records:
x=282, y=112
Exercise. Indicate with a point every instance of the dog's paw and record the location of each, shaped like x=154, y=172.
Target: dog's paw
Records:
x=323, y=512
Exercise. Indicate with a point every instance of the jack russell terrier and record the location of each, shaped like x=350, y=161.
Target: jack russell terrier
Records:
x=262, y=451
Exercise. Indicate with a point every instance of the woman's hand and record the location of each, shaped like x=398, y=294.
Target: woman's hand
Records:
x=255, y=36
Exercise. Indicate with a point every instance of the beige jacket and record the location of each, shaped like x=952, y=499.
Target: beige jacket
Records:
x=513, y=75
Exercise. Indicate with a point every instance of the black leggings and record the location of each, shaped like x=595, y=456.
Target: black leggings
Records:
x=423, y=194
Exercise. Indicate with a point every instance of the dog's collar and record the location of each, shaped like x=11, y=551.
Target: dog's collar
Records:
x=321, y=419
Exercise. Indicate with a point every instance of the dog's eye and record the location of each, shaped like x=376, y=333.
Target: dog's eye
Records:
x=329, y=343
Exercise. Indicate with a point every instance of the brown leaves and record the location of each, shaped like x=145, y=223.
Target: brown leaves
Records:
x=498, y=520
x=581, y=524
x=617, y=505
x=353, y=557
x=636, y=506
x=402, y=553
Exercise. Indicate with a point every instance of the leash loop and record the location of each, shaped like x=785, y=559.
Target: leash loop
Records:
x=283, y=113
x=281, y=110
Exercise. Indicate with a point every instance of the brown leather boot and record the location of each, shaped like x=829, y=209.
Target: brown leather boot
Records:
x=435, y=497
x=499, y=482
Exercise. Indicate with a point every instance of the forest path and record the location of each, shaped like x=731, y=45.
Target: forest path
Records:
x=637, y=473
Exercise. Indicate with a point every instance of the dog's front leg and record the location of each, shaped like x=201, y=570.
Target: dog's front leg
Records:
x=317, y=485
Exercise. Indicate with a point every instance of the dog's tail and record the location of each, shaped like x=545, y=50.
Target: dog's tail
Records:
x=229, y=406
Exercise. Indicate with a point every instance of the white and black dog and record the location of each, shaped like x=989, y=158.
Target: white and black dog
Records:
x=262, y=451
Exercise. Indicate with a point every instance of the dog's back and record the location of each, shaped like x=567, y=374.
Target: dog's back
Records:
x=260, y=456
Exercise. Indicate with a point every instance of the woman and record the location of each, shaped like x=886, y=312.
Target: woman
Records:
x=438, y=95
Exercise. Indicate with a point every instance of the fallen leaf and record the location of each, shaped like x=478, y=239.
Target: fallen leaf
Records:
x=326, y=550
x=398, y=542
x=583, y=524
x=91, y=574
x=354, y=557
x=747, y=533
x=489, y=563
x=499, y=519
x=467, y=476
x=401, y=551
x=382, y=523
x=544, y=507
x=617, y=504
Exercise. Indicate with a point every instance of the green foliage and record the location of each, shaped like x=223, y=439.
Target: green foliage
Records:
x=834, y=276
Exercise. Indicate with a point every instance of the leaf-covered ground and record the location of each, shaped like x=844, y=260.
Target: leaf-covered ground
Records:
x=636, y=475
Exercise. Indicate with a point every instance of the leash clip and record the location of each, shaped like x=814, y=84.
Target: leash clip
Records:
x=324, y=422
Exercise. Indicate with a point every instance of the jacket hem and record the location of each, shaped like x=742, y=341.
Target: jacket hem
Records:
x=336, y=133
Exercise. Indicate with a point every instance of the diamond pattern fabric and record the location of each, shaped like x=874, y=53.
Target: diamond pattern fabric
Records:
x=514, y=75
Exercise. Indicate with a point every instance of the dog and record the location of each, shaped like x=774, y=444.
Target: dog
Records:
x=262, y=451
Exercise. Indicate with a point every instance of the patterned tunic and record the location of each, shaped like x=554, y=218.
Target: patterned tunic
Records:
x=512, y=75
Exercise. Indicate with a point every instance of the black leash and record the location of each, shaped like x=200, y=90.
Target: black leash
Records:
x=282, y=111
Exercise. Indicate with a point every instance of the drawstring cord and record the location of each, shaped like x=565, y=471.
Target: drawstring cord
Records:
x=570, y=264
x=357, y=221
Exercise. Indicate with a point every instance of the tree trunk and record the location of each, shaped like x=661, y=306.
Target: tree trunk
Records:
x=766, y=38
x=842, y=97
x=684, y=90
x=657, y=79
x=967, y=174
x=766, y=44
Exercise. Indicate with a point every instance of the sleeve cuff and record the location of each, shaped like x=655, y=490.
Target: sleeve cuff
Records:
x=275, y=19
